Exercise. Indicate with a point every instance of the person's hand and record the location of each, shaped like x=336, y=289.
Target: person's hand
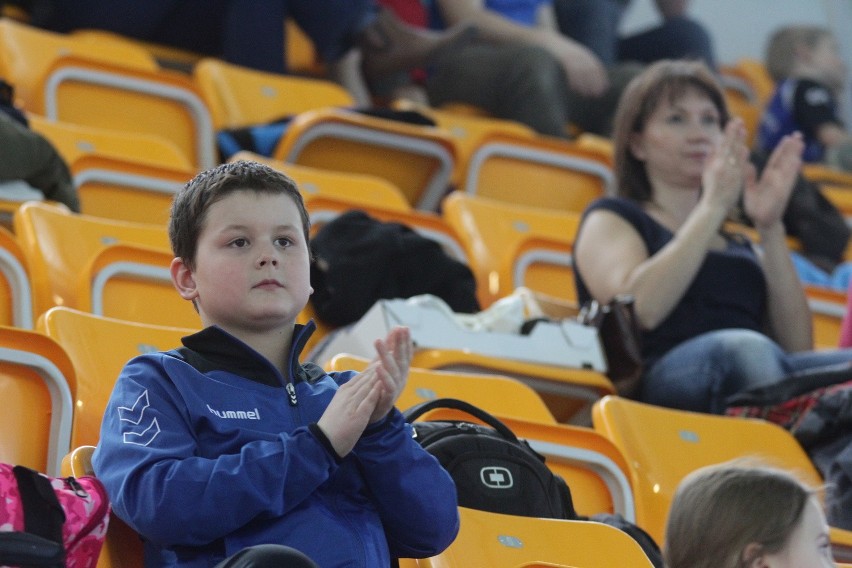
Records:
x=350, y=410
x=391, y=364
x=765, y=199
x=586, y=73
x=725, y=174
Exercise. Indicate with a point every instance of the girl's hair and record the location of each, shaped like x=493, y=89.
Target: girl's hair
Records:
x=785, y=42
x=667, y=79
x=718, y=511
x=190, y=206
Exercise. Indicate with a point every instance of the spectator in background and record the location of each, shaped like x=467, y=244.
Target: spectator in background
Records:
x=740, y=515
x=521, y=68
x=596, y=24
x=29, y=157
x=719, y=315
x=805, y=62
x=251, y=32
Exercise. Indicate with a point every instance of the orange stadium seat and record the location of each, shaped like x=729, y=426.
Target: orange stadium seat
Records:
x=512, y=245
x=37, y=389
x=663, y=445
x=496, y=394
x=239, y=96
x=98, y=348
x=538, y=171
x=119, y=175
x=105, y=83
x=16, y=298
x=419, y=160
x=113, y=268
x=507, y=541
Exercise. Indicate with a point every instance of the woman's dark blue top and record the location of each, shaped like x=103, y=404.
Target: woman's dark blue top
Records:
x=729, y=290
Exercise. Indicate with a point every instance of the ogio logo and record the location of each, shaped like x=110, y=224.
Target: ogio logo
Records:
x=496, y=477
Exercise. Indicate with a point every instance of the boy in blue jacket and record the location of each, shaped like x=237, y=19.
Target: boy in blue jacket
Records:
x=213, y=450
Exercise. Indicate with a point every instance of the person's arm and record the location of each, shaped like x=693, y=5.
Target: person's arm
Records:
x=789, y=317
x=671, y=8
x=27, y=155
x=413, y=493
x=167, y=490
x=585, y=72
x=612, y=257
x=613, y=260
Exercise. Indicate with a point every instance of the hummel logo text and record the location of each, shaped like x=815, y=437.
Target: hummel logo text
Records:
x=236, y=414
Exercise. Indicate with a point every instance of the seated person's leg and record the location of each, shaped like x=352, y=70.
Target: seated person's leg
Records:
x=594, y=23
x=516, y=82
x=253, y=34
x=701, y=373
x=675, y=38
x=268, y=556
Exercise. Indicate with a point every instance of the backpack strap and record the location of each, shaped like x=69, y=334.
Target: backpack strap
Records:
x=419, y=410
x=43, y=515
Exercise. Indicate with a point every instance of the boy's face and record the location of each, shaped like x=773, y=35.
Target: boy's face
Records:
x=252, y=270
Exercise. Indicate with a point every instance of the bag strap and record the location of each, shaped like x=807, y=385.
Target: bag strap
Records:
x=419, y=410
x=43, y=515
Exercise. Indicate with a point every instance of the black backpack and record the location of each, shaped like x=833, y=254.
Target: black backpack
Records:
x=496, y=471
x=493, y=470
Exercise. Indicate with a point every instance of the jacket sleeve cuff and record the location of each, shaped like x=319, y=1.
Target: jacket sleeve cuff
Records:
x=323, y=439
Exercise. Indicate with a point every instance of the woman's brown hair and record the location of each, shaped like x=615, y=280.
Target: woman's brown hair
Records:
x=664, y=79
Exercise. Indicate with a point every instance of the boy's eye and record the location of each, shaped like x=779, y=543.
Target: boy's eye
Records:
x=239, y=242
x=283, y=241
x=674, y=118
x=710, y=120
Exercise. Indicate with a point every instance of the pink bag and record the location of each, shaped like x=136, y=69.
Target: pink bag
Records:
x=51, y=521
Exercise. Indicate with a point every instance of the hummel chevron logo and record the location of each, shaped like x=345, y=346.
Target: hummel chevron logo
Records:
x=134, y=416
x=135, y=412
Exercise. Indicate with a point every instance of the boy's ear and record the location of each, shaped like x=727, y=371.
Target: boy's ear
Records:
x=183, y=279
x=753, y=556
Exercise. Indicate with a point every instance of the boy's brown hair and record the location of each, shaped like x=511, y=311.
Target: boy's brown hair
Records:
x=190, y=205
x=783, y=44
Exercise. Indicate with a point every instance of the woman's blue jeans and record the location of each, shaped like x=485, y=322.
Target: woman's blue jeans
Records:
x=701, y=373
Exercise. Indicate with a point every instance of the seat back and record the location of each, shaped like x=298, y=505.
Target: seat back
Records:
x=106, y=267
x=538, y=171
x=37, y=387
x=320, y=185
x=468, y=130
x=240, y=96
x=498, y=541
x=98, y=348
x=107, y=84
x=123, y=546
x=419, y=160
x=119, y=175
x=16, y=298
x=663, y=445
x=501, y=396
x=828, y=307
x=511, y=245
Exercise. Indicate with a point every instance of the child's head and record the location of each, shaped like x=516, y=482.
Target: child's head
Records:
x=190, y=206
x=743, y=515
x=805, y=51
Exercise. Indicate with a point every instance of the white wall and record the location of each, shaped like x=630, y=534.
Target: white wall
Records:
x=740, y=28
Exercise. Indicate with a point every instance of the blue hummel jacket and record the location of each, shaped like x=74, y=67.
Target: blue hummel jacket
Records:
x=207, y=449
